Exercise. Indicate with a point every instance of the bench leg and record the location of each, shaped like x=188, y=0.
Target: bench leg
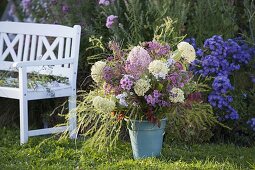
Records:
x=23, y=104
x=72, y=117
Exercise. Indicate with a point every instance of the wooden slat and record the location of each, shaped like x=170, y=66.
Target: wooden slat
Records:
x=39, y=48
x=9, y=92
x=7, y=65
x=20, y=47
x=61, y=48
x=26, y=48
x=57, y=71
x=10, y=47
x=1, y=46
x=33, y=48
x=49, y=48
x=47, y=131
x=67, y=50
x=37, y=29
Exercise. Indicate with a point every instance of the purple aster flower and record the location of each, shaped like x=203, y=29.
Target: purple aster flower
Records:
x=54, y=2
x=12, y=10
x=65, y=9
x=252, y=78
x=251, y=122
x=105, y=2
x=26, y=4
x=111, y=20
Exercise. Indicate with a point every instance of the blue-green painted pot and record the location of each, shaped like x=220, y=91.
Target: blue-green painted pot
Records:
x=146, y=138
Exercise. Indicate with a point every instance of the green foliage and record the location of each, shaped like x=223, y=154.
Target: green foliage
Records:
x=138, y=19
x=208, y=18
x=166, y=32
x=2, y=7
x=51, y=153
x=192, y=124
x=249, y=8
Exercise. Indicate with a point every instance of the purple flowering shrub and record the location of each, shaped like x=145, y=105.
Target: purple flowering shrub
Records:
x=228, y=63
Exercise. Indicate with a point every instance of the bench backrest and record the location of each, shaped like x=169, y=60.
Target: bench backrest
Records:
x=30, y=41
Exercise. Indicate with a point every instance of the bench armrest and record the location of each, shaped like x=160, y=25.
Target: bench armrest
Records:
x=42, y=63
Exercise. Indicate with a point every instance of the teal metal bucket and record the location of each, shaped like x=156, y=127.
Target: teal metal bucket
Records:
x=146, y=138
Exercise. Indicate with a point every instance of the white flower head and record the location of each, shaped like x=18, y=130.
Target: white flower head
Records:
x=97, y=71
x=187, y=51
x=103, y=104
x=158, y=68
x=141, y=87
x=176, y=95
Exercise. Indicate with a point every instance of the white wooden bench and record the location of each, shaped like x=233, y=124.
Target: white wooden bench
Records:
x=45, y=49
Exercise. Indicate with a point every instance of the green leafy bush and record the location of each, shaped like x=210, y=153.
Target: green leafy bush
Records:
x=137, y=20
x=208, y=18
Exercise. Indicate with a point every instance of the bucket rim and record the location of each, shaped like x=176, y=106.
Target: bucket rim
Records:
x=134, y=120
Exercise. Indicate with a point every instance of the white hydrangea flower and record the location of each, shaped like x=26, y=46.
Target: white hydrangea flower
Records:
x=141, y=87
x=103, y=104
x=97, y=71
x=177, y=95
x=187, y=51
x=158, y=68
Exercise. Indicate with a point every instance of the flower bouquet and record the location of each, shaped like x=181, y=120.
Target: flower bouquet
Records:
x=145, y=82
x=143, y=85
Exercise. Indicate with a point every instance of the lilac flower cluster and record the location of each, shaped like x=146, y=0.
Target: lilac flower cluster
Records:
x=111, y=21
x=155, y=47
x=219, y=59
x=155, y=98
x=26, y=4
x=179, y=79
x=105, y=2
x=126, y=82
x=65, y=9
x=107, y=73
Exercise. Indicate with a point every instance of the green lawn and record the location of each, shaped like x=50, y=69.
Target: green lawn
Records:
x=50, y=153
